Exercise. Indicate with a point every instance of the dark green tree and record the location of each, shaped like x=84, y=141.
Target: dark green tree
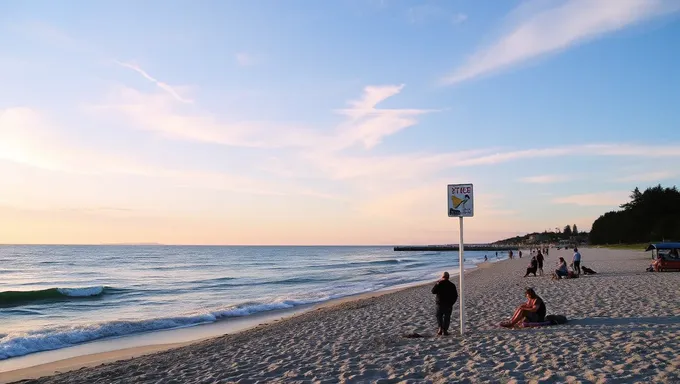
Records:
x=566, y=231
x=574, y=230
x=652, y=215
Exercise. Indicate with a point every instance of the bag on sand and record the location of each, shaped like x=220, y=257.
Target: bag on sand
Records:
x=556, y=319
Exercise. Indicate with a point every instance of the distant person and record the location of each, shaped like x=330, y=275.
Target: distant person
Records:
x=447, y=295
x=562, y=270
x=539, y=262
x=533, y=265
x=520, y=254
x=510, y=255
x=496, y=254
x=577, y=262
x=533, y=311
x=485, y=258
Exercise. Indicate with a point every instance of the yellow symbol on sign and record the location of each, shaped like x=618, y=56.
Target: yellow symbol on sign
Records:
x=458, y=201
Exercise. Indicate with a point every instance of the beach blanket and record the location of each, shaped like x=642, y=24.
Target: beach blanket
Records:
x=549, y=320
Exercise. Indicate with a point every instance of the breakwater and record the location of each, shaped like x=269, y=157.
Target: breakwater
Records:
x=454, y=247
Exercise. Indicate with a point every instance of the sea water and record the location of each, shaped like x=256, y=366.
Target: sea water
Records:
x=58, y=296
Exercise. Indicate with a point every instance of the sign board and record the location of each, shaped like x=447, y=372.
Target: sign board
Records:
x=461, y=200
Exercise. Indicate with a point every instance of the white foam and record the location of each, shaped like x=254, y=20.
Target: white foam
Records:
x=19, y=344
x=81, y=292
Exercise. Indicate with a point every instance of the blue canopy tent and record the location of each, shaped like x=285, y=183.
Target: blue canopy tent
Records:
x=658, y=246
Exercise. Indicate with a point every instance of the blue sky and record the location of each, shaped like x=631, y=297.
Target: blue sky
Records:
x=329, y=122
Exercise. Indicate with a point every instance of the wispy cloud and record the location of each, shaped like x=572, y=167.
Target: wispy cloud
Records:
x=546, y=179
x=557, y=28
x=459, y=18
x=368, y=124
x=245, y=59
x=429, y=12
x=167, y=88
x=365, y=123
x=610, y=199
x=28, y=138
x=622, y=150
x=648, y=176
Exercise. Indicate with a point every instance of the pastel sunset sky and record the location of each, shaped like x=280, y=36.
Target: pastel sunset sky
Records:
x=329, y=122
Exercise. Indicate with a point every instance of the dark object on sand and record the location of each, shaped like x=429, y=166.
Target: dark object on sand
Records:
x=587, y=271
x=556, y=319
x=413, y=335
x=550, y=320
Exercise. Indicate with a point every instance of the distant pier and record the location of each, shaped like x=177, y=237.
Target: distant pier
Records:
x=454, y=247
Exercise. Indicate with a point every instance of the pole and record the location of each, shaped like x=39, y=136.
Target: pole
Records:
x=460, y=275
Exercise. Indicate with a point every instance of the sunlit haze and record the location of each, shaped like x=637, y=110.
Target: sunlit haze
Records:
x=329, y=122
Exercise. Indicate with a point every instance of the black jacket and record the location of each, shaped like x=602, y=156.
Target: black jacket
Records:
x=446, y=292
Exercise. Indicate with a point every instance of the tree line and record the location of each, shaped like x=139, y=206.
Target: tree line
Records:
x=649, y=216
x=569, y=232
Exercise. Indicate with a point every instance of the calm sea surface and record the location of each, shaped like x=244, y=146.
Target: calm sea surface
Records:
x=57, y=296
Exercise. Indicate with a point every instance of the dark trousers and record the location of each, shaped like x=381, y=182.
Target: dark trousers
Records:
x=444, y=316
x=577, y=267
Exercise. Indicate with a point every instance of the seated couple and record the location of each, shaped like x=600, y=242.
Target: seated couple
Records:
x=562, y=270
x=533, y=311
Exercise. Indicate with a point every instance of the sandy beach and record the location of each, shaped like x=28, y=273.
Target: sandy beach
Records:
x=624, y=327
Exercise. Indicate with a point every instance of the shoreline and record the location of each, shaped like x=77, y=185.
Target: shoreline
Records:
x=78, y=361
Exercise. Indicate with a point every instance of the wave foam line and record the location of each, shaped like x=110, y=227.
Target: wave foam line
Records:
x=19, y=344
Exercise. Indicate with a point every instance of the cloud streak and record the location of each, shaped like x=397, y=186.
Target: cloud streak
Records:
x=244, y=59
x=558, y=28
x=622, y=150
x=167, y=88
x=546, y=179
x=29, y=139
x=365, y=124
x=610, y=199
x=429, y=12
x=648, y=176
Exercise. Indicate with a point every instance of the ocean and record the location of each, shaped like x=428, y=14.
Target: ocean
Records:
x=54, y=297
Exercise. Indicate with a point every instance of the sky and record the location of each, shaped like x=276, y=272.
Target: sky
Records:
x=329, y=122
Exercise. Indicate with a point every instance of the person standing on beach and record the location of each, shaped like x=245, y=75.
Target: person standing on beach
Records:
x=447, y=295
x=577, y=262
x=539, y=260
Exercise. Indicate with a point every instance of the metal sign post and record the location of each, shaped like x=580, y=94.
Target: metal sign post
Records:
x=461, y=204
x=461, y=261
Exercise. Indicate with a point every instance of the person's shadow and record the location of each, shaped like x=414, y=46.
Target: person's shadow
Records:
x=626, y=321
x=631, y=324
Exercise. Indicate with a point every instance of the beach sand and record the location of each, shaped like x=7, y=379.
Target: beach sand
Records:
x=624, y=327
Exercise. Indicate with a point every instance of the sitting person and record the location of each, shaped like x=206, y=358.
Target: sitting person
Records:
x=533, y=311
x=562, y=270
x=533, y=266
